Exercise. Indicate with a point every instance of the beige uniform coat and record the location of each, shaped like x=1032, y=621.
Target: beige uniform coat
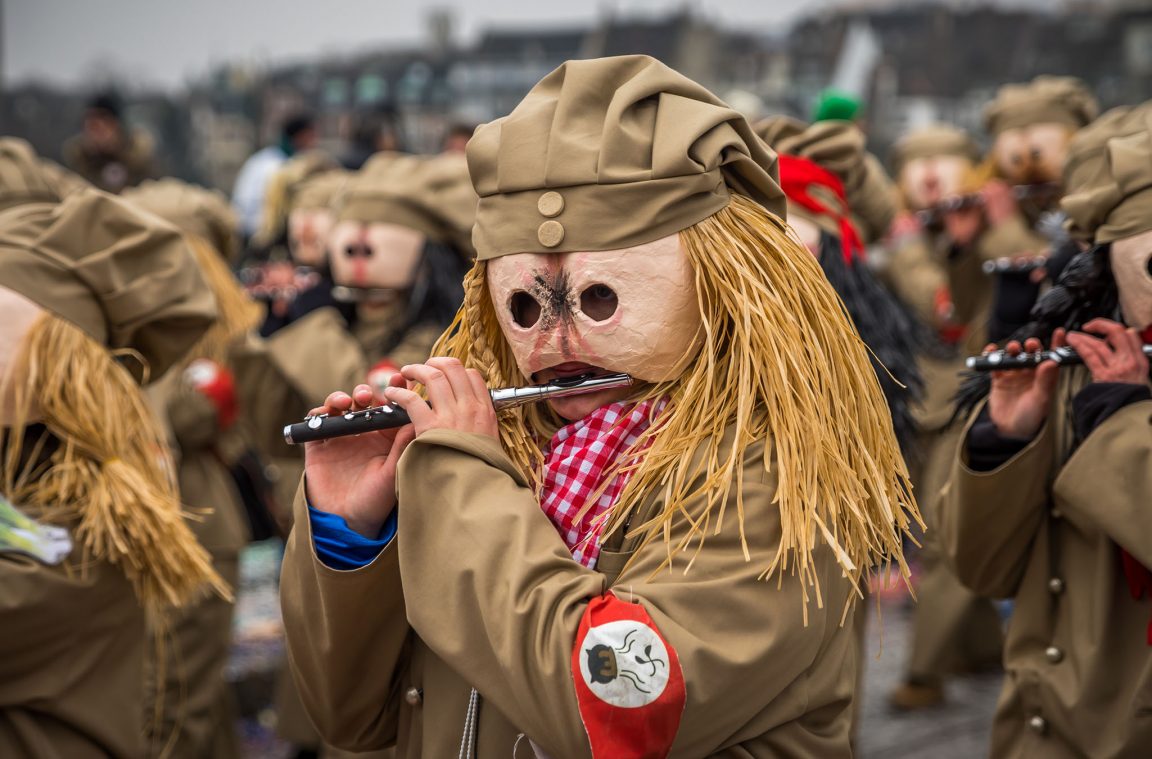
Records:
x=954, y=630
x=1044, y=528
x=72, y=650
x=195, y=716
x=478, y=589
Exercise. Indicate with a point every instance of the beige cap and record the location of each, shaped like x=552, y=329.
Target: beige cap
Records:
x=123, y=276
x=431, y=194
x=27, y=178
x=611, y=153
x=195, y=210
x=1044, y=100
x=838, y=146
x=1108, y=176
x=320, y=190
x=278, y=197
x=932, y=141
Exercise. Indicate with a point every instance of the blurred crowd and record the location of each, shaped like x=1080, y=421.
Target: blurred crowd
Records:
x=230, y=317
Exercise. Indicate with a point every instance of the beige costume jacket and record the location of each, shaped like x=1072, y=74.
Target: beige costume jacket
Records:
x=477, y=589
x=1045, y=528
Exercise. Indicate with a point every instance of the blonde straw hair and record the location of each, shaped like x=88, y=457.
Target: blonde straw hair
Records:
x=110, y=479
x=236, y=313
x=782, y=362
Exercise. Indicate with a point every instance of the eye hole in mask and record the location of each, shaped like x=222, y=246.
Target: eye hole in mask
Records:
x=1148, y=266
x=598, y=302
x=525, y=309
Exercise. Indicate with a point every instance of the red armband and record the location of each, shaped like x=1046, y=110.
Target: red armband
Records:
x=628, y=682
x=215, y=383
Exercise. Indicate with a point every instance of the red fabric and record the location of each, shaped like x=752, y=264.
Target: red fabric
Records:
x=629, y=685
x=1146, y=335
x=797, y=176
x=575, y=464
x=1139, y=583
x=215, y=383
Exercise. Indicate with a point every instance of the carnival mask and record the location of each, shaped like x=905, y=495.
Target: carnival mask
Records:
x=308, y=233
x=1132, y=268
x=17, y=315
x=632, y=310
x=930, y=180
x=1032, y=154
x=806, y=229
x=375, y=255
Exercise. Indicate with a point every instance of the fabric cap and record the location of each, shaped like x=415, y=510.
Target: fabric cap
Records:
x=930, y=142
x=122, y=275
x=838, y=146
x=320, y=190
x=1046, y=99
x=612, y=153
x=195, y=210
x=431, y=194
x=1092, y=191
x=27, y=178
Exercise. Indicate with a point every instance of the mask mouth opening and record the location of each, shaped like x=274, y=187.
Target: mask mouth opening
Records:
x=570, y=369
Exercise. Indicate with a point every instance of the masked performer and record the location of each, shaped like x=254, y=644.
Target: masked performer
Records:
x=198, y=400
x=1049, y=496
x=89, y=290
x=666, y=569
x=954, y=630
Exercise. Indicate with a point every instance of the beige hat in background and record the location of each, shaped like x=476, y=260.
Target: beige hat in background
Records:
x=930, y=142
x=278, y=197
x=320, y=190
x=612, y=153
x=195, y=210
x=431, y=194
x=27, y=178
x=838, y=147
x=123, y=276
x=1046, y=99
x=1099, y=178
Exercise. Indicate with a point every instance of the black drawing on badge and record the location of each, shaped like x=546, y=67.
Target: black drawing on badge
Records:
x=605, y=663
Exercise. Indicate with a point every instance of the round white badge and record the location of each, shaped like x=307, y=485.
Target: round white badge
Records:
x=624, y=663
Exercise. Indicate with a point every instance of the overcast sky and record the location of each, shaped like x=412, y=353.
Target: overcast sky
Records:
x=166, y=42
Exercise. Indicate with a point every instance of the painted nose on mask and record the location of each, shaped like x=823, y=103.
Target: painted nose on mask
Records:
x=358, y=250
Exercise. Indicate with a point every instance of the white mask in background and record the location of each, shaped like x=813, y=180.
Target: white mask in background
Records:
x=17, y=315
x=1132, y=267
x=806, y=230
x=375, y=255
x=1032, y=154
x=308, y=231
x=930, y=180
x=631, y=310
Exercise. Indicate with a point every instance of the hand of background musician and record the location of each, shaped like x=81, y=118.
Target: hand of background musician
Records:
x=458, y=399
x=999, y=202
x=1117, y=356
x=1019, y=400
x=964, y=225
x=355, y=477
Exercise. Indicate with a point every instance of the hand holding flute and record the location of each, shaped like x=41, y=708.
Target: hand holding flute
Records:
x=1019, y=400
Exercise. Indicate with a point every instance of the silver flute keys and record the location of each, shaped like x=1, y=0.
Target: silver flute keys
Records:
x=326, y=427
x=997, y=361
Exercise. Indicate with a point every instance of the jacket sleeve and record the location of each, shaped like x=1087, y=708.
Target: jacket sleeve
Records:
x=1108, y=480
x=493, y=590
x=917, y=276
x=1012, y=237
x=346, y=653
x=987, y=520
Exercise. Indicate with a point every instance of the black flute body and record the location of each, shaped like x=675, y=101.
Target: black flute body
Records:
x=998, y=361
x=390, y=416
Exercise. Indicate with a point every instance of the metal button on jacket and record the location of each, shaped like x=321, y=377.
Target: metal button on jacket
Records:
x=1055, y=586
x=1054, y=655
x=414, y=695
x=1037, y=724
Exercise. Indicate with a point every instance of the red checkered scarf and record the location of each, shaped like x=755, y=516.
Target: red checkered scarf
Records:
x=574, y=469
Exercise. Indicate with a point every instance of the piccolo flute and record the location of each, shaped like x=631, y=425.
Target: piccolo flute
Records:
x=325, y=427
x=998, y=361
x=968, y=200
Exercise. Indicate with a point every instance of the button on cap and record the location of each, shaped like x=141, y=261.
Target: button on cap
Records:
x=550, y=233
x=1054, y=655
x=550, y=204
x=1037, y=724
x=414, y=695
x=1055, y=586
